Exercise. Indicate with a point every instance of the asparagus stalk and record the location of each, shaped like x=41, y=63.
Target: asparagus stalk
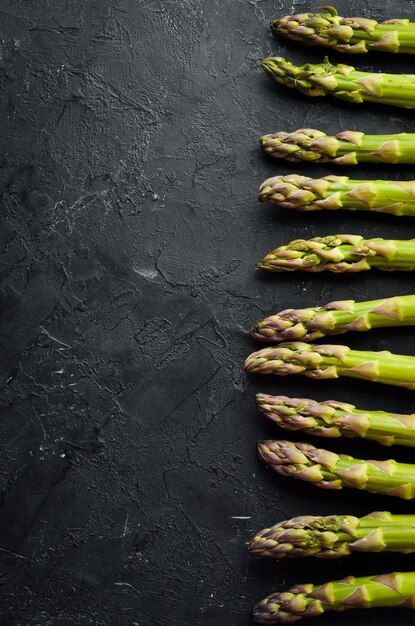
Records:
x=328, y=470
x=336, y=535
x=344, y=82
x=338, y=419
x=341, y=253
x=335, y=318
x=331, y=361
x=339, y=192
x=352, y=35
x=346, y=148
x=387, y=590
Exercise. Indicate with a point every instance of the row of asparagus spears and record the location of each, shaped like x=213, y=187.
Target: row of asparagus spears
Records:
x=349, y=35
x=339, y=535
x=333, y=419
x=336, y=535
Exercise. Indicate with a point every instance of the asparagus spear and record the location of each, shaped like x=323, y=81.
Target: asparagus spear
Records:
x=387, y=590
x=346, y=148
x=335, y=318
x=353, y=35
x=332, y=361
x=344, y=82
x=328, y=470
x=338, y=419
x=336, y=535
x=339, y=192
x=341, y=253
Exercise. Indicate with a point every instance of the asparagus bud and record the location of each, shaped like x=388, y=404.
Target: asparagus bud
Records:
x=328, y=470
x=335, y=318
x=339, y=192
x=338, y=419
x=343, y=82
x=387, y=590
x=346, y=148
x=331, y=361
x=352, y=35
x=336, y=535
x=340, y=254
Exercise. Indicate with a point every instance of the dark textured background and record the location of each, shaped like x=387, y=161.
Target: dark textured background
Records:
x=129, y=172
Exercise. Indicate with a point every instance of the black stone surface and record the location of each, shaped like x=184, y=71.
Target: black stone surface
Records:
x=129, y=172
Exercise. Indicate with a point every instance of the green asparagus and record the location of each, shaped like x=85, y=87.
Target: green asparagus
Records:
x=346, y=148
x=328, y=470
x=341, y=253
x=339, y=192
x=353, y=35
x=336, y=535
x=338, y=419
x=344, y=82
x=331, y=361
x=387, y=590
x=335, y=318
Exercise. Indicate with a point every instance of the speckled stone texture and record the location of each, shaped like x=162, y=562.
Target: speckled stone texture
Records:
x=129, y=172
